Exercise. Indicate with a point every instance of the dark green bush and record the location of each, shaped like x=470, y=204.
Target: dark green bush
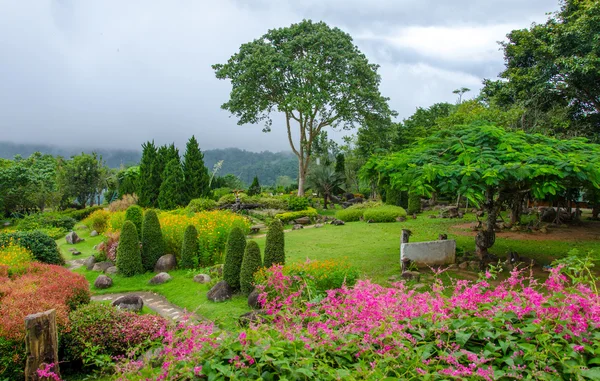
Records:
x=275, y=244
x=414, y=203
x=236, y=244
x=387, y=213
x=201, y=204
x=189, y=248
x=80, y=214
x=46, y=220
x=296, y=203
x=153, y=245
x=135, y=214
x=254, y=187
x=396, y=197
x=250, y=265
x=42, y=246
x=12, y=359
x=129, y=259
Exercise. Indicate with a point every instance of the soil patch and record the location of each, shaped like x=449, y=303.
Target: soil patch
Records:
x=587, y=231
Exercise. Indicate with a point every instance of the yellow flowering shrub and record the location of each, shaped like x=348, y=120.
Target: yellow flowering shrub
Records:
x=98, y=221
x=15, y=257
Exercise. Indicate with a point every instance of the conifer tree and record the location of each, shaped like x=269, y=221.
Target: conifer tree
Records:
x=153, y=246
x=147, y=185
x=250, y=265
x=195, y=174
x=129, y=260
x=189, y=248
x=171, y=189
x=275, y=245
x=254, y=188
x=236, y=244
x=135, y=214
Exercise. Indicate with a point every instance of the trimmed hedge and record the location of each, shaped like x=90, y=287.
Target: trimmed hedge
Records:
x=349, y=214
x=135, y=214
x=236, y=245
x=129, y=259
x=387, y=213
x=275, y=244
x=288, y=216
x=42, y=246
x=153, y=245
x=251, y=263
x=189, y=248
x=201, y=204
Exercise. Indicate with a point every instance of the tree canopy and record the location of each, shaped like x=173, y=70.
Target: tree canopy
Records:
x=310, y=72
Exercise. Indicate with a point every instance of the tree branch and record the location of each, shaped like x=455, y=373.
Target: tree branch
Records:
x=289, y=133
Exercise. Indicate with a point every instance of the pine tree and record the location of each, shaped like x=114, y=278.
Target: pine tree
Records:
x=147, y=187
x=254, y=188
x=189, y=248
x=275, y=245
x=135, y=214
x=153, y=246
x=129, y=260
x=195, y=174
x=165, y=155
x=250, y=265
x=236, y=244
x=171, y=189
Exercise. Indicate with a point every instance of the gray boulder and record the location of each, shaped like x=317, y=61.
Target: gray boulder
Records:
x=111, y=270
x=89, y=262
x=102, y=266
x=77, y=252
x=103, y=282
x=72, y=238
x=411, y=275
x=93, y=233
x=319, y=225
x=252, y=317
x=302, y=221
x=338, y=222
x=131, y=302
x=160, y=278
x=220, y=292
x=253, y=300
x=297, y=227
x=202, y=278
x=165, y=263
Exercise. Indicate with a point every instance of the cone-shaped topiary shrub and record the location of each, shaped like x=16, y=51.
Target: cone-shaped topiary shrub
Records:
x=414, y=203
x=129, y=260
x=250, y=265
x=135, y=214
x=189, y=248
x=236, y=244
x=275, y=245
x=153, y=246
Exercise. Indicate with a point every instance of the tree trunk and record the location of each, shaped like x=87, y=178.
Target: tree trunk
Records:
x=486, y=237
x=301, y=176
x=595, y=211
x=325, y=196
x=516, y=209
x=41, y=342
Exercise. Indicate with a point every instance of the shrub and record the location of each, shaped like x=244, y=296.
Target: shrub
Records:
x=251, y=263
x=153, y=246
x=220, y=192
x=236, y=244
x=112, y=331
x=201, y=204
x=414, y=203
x=387, y=213
x=129, y=259
x=275, y=244
x=135, y=214
x=296, y=203
x=254, y=189
x=109, y=246
x=189, y=250
x=230, y=199
x=46, y=220
x=98, y=220
x=125, y=202
x=43, y=247
x=349, y=215
x=80, y=214
x=54, y=233
x=15, y=258
x=288, y=216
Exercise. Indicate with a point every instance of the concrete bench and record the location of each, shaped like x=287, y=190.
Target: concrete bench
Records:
x=429, y=253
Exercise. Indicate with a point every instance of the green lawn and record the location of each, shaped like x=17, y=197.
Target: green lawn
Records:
x=85, y=247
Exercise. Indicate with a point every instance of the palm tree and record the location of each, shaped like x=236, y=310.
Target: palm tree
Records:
x=324, y=180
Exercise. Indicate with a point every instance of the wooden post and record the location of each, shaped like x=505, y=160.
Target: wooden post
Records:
x=42, y=343
x=404, y=239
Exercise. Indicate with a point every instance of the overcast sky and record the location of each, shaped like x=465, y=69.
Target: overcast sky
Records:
x=114, y=73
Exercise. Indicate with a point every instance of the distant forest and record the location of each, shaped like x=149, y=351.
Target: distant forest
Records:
x=244, y=164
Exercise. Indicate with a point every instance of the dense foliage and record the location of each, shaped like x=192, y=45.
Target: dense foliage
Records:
x=135, y=214
x=129, y=258
x=201, y=204
x=290, y=216
x=275, y=244
x=171, y=194
x=251, y=263
x=98, y=221
x=386, y=213
x=195, y=175
x=254, y=188
x=153, y=245
x=189, y=248
x=43, y=247
x=236, y=245
x=414, y=203
x=15, y=258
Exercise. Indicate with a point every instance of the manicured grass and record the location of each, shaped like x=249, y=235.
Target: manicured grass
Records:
x=86, y=247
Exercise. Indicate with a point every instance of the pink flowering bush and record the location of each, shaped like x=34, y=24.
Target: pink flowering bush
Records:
x=518, y=329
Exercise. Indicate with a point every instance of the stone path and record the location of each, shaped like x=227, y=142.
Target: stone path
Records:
x=155, y=302
x=75, y=263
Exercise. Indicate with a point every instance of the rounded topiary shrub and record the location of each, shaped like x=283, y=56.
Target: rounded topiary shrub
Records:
x=275, y=244
x=189, y=248
x=250, y=265
x=236, y=244
x=129, y=259
x=414, y=203
x=135, y=214
x=387, y=213
x=201, y=204
x=153, y=245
